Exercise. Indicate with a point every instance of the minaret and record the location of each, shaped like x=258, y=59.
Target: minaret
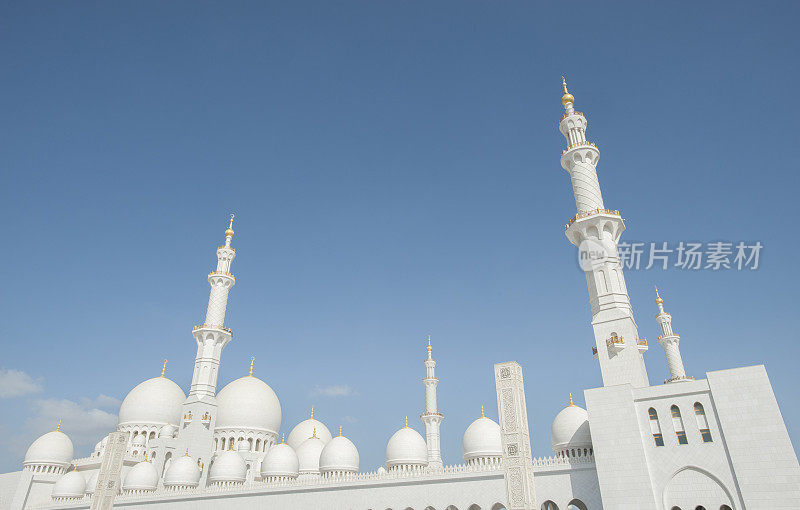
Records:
x=196, y=430
x=669, y=341
x=596, y=230
x=212, y=335
x=431, y=417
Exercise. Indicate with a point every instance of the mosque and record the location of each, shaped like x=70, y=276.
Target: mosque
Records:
x=713, y=443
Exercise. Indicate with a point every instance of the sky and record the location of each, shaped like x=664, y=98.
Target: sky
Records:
x=394, y=171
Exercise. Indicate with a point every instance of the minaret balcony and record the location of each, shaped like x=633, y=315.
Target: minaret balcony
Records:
x=587, y=214
x=215, y=327
x=579, y=145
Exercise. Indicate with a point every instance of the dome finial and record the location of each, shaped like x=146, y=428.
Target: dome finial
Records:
x=567, y=97
x=145, y=456
x=482, y=415
x=406, y=426
x=658, y=297
x=570, y=400
x=314, y=434
x=283, y=438
x=340, y=431
x=229, y=232
x=252, y=359
x=187, y=453
x=312, y=412
x=164, y=367
x=58, y=427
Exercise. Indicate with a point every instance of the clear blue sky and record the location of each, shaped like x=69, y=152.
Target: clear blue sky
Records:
x=394, y=169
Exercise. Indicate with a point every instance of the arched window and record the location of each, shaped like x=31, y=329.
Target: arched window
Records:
x=655, y=428
x=677, y=423
x=724, y=507
x=549, y=505
x=675, y=508
x=702, y=422
x=576, y=504
x=699, y=507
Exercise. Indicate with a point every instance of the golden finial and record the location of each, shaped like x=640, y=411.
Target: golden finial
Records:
x=229, y=232
x=145, y=456
x=406, y=423
x=230, y=446
x=74, y=467
x=314, y=434
x=570, y=400
x=252, y=359
x=312, y=412
x=429, y=344
x=164, y=368
x=567, y=97
x=187, y=453
x=58, y=427
x=658, y=297
x=482, y=415
x=283, y=438
x=340, y=431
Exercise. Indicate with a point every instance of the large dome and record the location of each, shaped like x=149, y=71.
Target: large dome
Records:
x=482, y=439
x=406, y=447
x=248, y=403
x=91, y=483
x=308, y=455
x=306, y=429
x=52, y=448
x=156, y=401
x=142, y=477
x=228, y=466
x=71, y=485
x=571, y=429
x=340, y=454
x=182, y=471
x=280, y=460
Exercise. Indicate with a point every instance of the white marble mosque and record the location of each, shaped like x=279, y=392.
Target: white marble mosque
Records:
x=712, y=443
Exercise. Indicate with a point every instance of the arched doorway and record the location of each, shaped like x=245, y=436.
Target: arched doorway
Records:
x=695, y=489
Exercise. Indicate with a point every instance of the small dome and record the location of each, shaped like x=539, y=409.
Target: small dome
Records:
x=167, y=430
x=381, y=470
x=142, y=477
x=228, y=466
x=280, y=460
x=306, y=429
x=139, y=440
x=98, y=446
x=308, y=454
x=406, y=447
x=482, y=439
x=53, y=448
x=182, y=471
x=71, y=485
x=248, y=403
x=156, y=401
x=571, y=429
x=91, y=483
x=340, y=454
x=243, y=446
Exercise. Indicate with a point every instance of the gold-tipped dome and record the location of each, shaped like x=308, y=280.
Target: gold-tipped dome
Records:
x=567, y=97
x=229, y=232
x=658, y=297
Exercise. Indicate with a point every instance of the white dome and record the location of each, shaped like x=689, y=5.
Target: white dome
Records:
x=306, y=429
x=406, y=447
x=167, y=430
x=182, y=471
x=228, y=466
x=91, y=483
x=248, y=403
x=156, y=401
x=142, y=477
x=571, y=429
x=53, y=448
x=340, y=454
x=482, y=439
x=139, y=440
x=308, y=454
x=71, y=485
x=280, y=460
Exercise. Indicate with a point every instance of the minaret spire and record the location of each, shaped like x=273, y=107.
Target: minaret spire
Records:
x=669, y=341
x=432, y=418
x=596, y=230
x=212, y=335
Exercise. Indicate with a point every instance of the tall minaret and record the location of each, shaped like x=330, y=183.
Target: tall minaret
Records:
x=669, y=341
x=196, y=430
x=596, y=230
x=431, y=417
x=212, y=335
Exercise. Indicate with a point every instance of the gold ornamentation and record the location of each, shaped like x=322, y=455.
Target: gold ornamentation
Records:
x=429, y=344
x=570, y=400
x=252, y=359
x=58, y=427
x=229, y=232
x=164, y=368
x=482, y=415
x=658, y=297
x=567, y=97
x=586, y=214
